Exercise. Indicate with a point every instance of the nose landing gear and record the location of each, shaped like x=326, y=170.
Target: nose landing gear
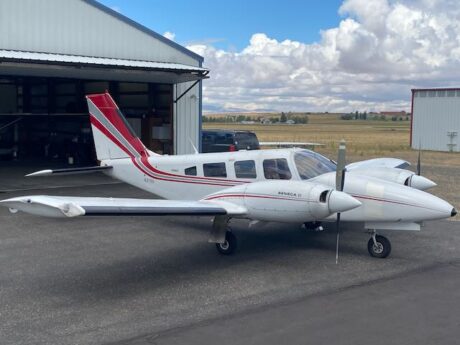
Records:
x=379, y=246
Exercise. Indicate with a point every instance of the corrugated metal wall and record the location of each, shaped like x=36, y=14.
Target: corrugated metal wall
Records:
x=435, y=113
x=79, y=28
x=187, y=118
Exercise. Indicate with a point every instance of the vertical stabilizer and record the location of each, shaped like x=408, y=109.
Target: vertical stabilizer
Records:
x=113, y=136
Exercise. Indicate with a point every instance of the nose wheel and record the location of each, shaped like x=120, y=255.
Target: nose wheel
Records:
x=228, y=247
x=379, y=246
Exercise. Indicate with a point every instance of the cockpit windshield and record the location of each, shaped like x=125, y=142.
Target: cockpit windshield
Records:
x=310, y=164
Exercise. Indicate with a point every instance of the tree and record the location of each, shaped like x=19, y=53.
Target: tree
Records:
x=283, y=117
x=347, y=116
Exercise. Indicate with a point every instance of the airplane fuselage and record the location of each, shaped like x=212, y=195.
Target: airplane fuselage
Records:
x=194, y=177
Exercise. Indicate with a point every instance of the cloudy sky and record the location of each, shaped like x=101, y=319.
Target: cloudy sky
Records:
x=295, y=55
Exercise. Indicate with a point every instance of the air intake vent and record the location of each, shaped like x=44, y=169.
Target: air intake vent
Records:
x=323, y=196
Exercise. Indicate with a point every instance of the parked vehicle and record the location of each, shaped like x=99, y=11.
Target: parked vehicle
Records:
x=217, y=140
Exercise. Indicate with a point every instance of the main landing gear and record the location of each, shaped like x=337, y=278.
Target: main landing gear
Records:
x=378, y=246
x=229, y=246
x=222, y=236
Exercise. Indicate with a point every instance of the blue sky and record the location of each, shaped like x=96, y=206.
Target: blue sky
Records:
x=230, y=24
x=294, y=55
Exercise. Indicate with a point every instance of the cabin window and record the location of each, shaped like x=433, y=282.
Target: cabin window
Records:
x=190, y=171
x=276, y=169
x=214, y=170
x=245, y=169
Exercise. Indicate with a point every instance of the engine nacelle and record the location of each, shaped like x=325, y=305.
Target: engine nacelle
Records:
x=287, y=201
x=396, y=175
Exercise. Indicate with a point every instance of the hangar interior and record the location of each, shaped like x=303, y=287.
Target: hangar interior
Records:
x=54, y=53
x=47, y=118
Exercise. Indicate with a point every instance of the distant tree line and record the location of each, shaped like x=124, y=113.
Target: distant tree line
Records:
x=283, y=117
x=354, y=116
x=372, y=116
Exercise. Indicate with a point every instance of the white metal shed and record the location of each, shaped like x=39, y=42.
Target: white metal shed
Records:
x=436, y=119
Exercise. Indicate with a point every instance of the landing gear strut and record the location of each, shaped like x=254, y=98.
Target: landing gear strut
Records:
x=228, y=247
x=379, y=246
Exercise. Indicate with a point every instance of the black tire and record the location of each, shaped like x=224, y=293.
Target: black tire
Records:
x=229, y=246
x=383, y=248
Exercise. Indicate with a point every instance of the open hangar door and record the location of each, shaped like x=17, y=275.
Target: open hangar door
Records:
x=44, y=116
x=47, y=118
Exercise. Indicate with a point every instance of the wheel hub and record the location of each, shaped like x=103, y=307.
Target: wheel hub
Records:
x=377, y=248
x=224, y=245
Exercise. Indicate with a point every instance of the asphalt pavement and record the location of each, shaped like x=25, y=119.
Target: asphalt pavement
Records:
x=145, y=280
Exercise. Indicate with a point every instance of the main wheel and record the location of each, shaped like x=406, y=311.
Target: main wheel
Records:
x=229, y=246
x=380, y=249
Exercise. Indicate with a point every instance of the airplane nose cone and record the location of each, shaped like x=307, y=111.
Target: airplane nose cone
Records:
x=421, y=183
x=453, y=213
x=341, y=202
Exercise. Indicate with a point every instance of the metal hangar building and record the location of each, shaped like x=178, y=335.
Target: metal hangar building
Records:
x=436, y=119
x=54, y=52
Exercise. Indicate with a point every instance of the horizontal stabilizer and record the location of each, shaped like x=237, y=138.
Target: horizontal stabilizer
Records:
x=69, y=171
x=61, y=206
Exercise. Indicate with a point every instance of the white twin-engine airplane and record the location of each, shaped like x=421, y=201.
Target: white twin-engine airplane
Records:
x=285, y=185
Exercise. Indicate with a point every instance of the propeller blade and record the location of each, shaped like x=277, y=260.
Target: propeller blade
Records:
x=337, y=240
x=339, y=185
x=341, y=162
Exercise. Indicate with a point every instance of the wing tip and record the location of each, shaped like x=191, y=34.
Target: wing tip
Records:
x=40, y=173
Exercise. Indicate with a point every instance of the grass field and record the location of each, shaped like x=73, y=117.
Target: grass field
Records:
x=365, y=139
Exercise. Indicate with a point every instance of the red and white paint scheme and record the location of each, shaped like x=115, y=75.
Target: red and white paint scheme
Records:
x=283, y=185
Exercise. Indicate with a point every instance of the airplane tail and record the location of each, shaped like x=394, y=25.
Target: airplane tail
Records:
x=113, y=136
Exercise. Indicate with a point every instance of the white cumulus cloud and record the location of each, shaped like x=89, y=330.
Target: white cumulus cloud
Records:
x=170, y=35
x=370, y=61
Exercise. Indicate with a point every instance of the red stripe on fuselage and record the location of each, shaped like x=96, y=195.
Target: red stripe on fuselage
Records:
x=253, y=196
x=150, y=170
x=365, y=197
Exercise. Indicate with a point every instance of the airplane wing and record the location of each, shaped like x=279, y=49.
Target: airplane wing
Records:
x=289, y=144
x=379, y=163
x=63, y=206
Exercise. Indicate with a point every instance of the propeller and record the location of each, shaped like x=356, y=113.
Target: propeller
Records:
x=339, y=184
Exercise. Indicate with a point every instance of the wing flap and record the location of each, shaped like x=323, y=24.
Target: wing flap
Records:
x=58, y=206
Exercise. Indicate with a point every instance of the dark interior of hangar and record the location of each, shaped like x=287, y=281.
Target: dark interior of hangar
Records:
x=47, y=118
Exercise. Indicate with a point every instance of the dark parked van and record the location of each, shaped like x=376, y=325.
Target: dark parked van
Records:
x=217, y=140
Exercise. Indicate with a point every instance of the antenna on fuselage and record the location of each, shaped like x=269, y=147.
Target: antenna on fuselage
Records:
x=195, y=150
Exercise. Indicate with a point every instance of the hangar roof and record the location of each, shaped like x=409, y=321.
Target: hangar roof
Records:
x=144, y=29
x=62, y=65
x=86, y=28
